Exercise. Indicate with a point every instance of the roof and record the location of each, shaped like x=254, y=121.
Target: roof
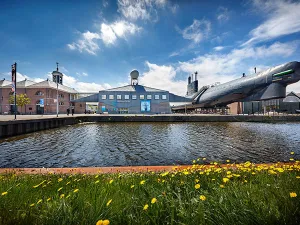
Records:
x=135, y=88
x=5, y=83
x=24, y=83
x=292, y=97
x=51, y=84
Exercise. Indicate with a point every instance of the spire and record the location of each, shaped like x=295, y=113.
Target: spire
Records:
x=57, y=66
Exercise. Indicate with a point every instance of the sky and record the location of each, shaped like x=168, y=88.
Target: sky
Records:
x=98, y=43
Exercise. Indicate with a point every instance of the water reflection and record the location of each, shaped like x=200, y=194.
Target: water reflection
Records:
x=122, y=144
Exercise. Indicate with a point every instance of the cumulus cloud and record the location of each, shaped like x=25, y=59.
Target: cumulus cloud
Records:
x=218, y=48
x=282, y=18
x=86, y=43
x=83, y=74
x=197, y=31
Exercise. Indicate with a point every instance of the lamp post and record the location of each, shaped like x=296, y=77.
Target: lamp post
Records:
x=56, y=98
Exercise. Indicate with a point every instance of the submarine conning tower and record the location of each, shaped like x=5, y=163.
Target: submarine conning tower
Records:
x=192, y=86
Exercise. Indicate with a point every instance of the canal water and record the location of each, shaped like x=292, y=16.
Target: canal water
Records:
x=126, y=144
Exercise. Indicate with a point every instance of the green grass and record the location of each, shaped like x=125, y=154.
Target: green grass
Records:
x=247, y=198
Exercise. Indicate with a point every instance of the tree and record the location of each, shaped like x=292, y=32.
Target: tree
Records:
x=22, y=100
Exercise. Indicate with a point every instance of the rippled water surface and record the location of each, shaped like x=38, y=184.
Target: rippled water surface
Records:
x=122, y=144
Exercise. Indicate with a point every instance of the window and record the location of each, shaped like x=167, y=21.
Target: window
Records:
x=142, y=96
x=119, y=97
x=134, y=97
x=149, y=96
x=126, y=97
x=111, y=97
x=164, y=97
x=103, y=97
x=39, y=93
x=156, y=97
x=61, y=103
x=61, y=95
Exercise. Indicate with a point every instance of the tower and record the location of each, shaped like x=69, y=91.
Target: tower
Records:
x=57, y=76
x=134, y=77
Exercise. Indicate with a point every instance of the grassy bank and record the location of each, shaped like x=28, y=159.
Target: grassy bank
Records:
x=243, y=194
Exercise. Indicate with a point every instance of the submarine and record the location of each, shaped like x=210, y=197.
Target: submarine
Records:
x=265, y=85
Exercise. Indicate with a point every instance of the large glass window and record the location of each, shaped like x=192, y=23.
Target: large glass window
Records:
x=164, y=97
x=149, y=96
x=156, y=97
x=103, y=97
x=134, y=97
x=119, y=97
x=142, y=96
x=126, y=97
x=111, y=97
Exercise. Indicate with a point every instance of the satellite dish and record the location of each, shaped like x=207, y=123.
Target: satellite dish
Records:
x=134, y=74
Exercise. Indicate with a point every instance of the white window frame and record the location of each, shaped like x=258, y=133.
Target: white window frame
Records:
x=156, y=97
x=126, y=97
x=103, y=97
x=149, y=97
x=164, y=97
x=133, y=97
x=119, y=97
x=142, y=97
x=111, y=97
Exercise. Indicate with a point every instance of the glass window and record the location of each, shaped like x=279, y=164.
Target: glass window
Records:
x=149, y=96
x=164, y=97
x=142, y=96
x=111, y=97
x=133, y=97
x=103, y=97
x=119, y=97
x=126, y=97
x=156, y=97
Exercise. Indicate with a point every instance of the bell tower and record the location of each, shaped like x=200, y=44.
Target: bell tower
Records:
x=57, y=76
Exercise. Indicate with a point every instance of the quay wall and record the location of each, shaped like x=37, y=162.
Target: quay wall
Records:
x=18, y=127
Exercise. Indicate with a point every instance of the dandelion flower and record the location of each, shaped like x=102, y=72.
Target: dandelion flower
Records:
x=62, y=196
x=197, y=186
x=292, y=153
x=145, y=207
x=97, y=181
x=204, y=159
x=102, y=222
x=59, y=189
x=293, y=195
x=60, y=179
x=154, y=200
x=39, y=201
x=105, y=222
x=202, y=198
x=228, y=160
x=48, y=199
x=298, y=177
x=132, y=186
x=110, y=182
x=4, y=193
x=76, y=190
x=96, y=176
x=225, y=179
x=142, y=182
x=31, y=205
x=222, y=186
x=108, y=203
x=291, y=159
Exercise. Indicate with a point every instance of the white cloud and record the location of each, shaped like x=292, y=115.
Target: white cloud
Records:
x=108, y=36
x=86, y=43
x=294, y=87
x=223, y=14
x=105, y=3
x=197, y=31
x=146, y=10
x=282, y=19
x=218, y=48
x=162, y=77
x=83, y=74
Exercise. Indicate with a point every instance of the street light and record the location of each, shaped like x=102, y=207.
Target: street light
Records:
x=57, y=77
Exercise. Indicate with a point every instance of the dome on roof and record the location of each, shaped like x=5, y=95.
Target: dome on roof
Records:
x=57, y=73
x=134, y=74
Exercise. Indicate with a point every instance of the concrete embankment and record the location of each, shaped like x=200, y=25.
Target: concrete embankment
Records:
x=26, y=124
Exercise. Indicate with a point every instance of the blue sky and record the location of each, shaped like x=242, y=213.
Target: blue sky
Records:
x=98, y=43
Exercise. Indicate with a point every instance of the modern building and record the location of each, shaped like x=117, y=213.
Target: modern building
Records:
x=133, y=99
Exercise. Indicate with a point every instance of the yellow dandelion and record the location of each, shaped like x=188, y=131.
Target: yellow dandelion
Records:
x=97, y=181
x=186, y=173
x=154, y=200
x=213, y=179
x=291, y=159
x=60, y=179
x=105, y=222
x=48, y=199
x=132, y=186
x=225, y=179
x=110, y=182
x=31, y=205
x=142, y=182
x=68, y=182
x=59, y=189
x=253, y=173
x=62, y=196
x=146, y=207
x=165, y=174
x=197, y=186
x=298, y=177
x=76, y=190
x=108, y=203
x=293, y=195
x=39, y=201
x=228, y=172
x=228, y=160
x=204, y=159
x=4, y=193
x=194, y=161
x=222, y=186
x=96, y=176
x=202, y=198
x=292, y=153
x=196, y=180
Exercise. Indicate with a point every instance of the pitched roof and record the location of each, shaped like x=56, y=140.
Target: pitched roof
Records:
x=5, y=83
x=51, y=84
x=292, y=97
x=24, y=83
x=135, y=88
